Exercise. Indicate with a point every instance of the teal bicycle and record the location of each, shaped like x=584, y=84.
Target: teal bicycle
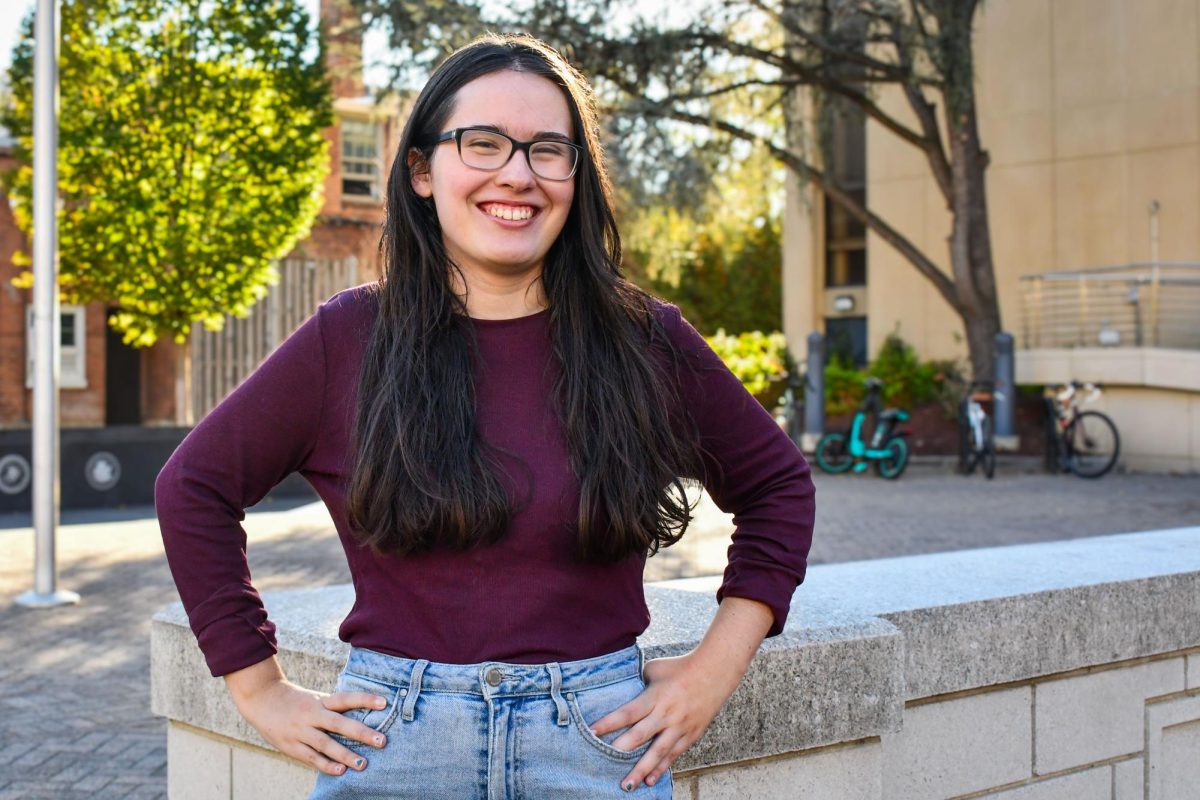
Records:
x=841, y=451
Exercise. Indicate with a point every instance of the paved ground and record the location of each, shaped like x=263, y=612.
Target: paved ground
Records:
x=74, y=694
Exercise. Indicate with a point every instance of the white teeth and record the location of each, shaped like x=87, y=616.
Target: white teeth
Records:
x=508, y=212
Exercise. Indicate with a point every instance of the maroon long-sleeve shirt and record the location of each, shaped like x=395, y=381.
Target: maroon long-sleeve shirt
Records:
x=526, y=599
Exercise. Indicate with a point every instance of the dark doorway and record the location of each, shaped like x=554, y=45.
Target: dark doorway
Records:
x=847, y=339
x=122, y=380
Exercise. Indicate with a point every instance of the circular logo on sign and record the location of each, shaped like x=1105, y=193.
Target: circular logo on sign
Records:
x=102, y=471
x=15, y=473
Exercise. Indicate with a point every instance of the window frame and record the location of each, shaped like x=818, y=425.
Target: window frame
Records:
x=68, y=378
x=376, y=185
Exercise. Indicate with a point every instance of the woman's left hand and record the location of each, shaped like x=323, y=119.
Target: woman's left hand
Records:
x=683, y=694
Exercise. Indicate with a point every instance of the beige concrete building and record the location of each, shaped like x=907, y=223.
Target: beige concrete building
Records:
x=1090, y=110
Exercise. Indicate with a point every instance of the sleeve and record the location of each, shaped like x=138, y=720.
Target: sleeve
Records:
x=754, y=471
x=260, y=433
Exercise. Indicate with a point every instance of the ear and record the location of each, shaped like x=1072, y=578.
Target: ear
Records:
x=418, y=167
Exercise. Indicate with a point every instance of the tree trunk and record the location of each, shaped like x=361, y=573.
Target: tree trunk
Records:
x=970, y=238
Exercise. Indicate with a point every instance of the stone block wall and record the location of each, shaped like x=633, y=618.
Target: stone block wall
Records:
x=1089, y=690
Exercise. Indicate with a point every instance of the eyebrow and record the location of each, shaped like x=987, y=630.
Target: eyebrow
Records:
x=536, y=136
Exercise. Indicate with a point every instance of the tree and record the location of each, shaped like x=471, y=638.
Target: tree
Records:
x=191, y=154
x=733, y=61
x=717, y=256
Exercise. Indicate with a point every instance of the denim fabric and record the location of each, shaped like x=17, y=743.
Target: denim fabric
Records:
x=491, y=731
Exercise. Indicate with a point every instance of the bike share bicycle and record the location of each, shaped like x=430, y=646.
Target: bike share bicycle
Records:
x=839, y=451
x=976, y=429
x=1083, y=442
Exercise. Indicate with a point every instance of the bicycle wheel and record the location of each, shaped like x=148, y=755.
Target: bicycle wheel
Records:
x=966, y=448
x=893, y=464
x=833, y=456
x=1053, y=447
x=987, y=458
x=1092, y=444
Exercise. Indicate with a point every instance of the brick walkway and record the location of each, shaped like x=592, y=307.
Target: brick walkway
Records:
x=74, y=686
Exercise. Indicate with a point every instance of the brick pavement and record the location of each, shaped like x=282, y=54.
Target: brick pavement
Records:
x=74, y=686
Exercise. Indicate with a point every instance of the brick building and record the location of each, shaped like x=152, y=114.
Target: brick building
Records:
x=111, y=390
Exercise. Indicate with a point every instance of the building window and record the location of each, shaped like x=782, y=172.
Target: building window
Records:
x=362, y=167
x=845, y=236
x=72, y=362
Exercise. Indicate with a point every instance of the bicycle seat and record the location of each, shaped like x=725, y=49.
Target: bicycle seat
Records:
x=893, y=413
x=982, y=397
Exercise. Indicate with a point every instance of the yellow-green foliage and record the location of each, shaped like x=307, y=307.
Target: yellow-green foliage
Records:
x=191, y=154
x=719, y=260
x=756, y=358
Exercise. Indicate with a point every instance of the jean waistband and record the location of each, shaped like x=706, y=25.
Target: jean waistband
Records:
x=496, y=678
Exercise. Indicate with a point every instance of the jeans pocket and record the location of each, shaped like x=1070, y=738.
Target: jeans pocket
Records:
x=377, y=719
x=589, y=705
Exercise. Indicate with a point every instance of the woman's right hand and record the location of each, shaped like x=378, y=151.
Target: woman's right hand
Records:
x=295, y=720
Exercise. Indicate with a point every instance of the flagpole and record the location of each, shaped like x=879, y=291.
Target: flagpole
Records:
x=47, y=324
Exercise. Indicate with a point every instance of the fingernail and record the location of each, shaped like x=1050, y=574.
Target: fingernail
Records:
x=650, y=780
x=379, y=741
x=629, y=786
x=358, y=762
x=380, y=703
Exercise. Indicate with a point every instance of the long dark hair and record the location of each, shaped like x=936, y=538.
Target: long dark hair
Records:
x=423, y=477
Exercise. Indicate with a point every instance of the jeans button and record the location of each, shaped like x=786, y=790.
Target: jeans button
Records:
x=493, y=677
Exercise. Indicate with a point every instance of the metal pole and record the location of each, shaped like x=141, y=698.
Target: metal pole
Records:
x=814, y=393
x=46, y=322
x=1154, y=272
x=1005, y=394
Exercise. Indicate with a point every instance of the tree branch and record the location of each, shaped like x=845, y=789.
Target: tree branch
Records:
x=806, y=76
x=891, y=72
x=945, y=286
x=926, y=113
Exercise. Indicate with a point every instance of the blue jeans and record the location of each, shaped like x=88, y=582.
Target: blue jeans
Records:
x=491, y=731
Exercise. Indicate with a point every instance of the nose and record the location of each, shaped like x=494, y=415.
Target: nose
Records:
x=517, y=173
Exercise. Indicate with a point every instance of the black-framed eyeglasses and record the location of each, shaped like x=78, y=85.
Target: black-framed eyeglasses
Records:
x=480, y=148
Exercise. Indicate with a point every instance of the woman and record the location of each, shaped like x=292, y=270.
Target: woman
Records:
x=499, y=429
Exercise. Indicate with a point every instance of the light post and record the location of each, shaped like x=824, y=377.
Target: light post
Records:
x=47, y=326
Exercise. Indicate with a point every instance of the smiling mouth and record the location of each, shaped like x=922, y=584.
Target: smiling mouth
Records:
x=511, y=213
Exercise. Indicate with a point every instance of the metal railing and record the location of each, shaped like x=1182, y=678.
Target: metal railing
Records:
x=1136, y=305
x=223, y=359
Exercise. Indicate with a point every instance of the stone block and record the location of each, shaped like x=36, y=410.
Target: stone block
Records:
x=1093, y=783
x=1099, y=715
x=806, y=690
x=1129, y=780
x=839, y=773
x=1193, y=671
x=683, y=787
x=1173, y=748
x=198, y=766
x=960, y=746
x=980, y=617
x=259, y=774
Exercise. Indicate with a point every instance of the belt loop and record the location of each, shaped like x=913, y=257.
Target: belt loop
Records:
x=641, y=662
x=556, y=692
x=414, y=689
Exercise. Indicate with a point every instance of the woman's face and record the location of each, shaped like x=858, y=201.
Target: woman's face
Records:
x=472, y=204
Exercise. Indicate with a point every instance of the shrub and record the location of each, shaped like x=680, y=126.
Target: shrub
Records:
x=757, y=359
x=844, y=388
x=907, y=381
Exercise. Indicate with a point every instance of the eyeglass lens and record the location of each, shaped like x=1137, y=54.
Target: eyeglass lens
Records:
x=487, y=150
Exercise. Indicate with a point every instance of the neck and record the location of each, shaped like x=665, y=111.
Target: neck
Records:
x=491, y=296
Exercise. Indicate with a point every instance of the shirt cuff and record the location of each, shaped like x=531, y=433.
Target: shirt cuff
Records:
x=773, y=587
